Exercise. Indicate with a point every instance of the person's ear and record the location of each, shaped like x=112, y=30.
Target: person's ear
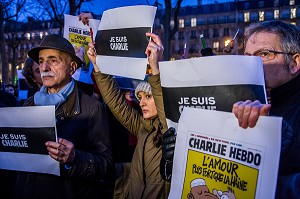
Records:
x=295, y=67
x=73, y=67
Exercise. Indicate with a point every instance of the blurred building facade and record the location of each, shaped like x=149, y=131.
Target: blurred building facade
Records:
x=21, y=37
x=219, y=22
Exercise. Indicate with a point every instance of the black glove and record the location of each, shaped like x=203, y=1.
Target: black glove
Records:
x=168, y=147
x=168, y=144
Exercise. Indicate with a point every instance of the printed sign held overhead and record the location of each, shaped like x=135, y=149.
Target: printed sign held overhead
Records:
x=121, y=40
x=80, y=36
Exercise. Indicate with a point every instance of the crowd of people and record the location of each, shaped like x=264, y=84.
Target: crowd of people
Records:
x=87, y=146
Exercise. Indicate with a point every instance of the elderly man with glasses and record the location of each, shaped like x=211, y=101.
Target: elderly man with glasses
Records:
x=278, y=44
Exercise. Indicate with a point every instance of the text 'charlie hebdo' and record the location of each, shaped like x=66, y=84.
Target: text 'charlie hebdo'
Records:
x=80, y=36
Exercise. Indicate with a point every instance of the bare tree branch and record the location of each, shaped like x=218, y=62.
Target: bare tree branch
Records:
x=169, y=13
x=56, y=9
x=10, y=10
x=175, y=17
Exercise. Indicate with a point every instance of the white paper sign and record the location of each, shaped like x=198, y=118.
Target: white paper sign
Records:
x=23, y=134
x=214, y=156
x=213, y=83
x=121, y=40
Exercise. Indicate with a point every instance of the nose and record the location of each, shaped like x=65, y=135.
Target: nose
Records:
x=44, y=66
x=142, y=102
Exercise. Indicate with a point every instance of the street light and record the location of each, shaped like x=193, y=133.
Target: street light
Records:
x=226, y=43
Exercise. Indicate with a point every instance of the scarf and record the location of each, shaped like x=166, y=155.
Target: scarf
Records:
x=43, y=98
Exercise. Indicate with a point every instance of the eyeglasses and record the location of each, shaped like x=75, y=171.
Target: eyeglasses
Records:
x=267, y=55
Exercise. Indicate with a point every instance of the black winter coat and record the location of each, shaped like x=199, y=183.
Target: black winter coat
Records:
x=83, y=121
x=285, y=102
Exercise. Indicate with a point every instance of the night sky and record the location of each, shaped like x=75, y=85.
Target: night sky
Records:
x=101, y=5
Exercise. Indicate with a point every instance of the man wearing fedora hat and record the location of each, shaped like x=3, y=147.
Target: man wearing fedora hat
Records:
x=83, y=146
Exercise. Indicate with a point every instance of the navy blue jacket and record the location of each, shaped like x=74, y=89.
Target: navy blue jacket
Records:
x=285, y=101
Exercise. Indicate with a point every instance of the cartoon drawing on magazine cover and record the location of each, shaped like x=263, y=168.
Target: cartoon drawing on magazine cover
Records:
x=199, y=190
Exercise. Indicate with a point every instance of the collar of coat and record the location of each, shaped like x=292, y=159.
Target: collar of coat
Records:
x=151, y=122
x=281, y=94
x=69, y=108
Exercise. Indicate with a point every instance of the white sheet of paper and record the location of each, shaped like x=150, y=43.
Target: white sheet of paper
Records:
x=126, y=18
x=22, y=118
x=224, y=152
x=212, y=70
x=201, y=78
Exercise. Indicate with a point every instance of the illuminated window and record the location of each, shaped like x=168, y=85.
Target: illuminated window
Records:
x=33, y=35
x=216, y=45
x=293, y=23
x=193, y=22
x=172, y=59
x=293, y=13
x=276, y=14
x=246, y=17
x=292, y=2
x=28, y=36
x=261, y=15
x=41, y=35
x=181, y=23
